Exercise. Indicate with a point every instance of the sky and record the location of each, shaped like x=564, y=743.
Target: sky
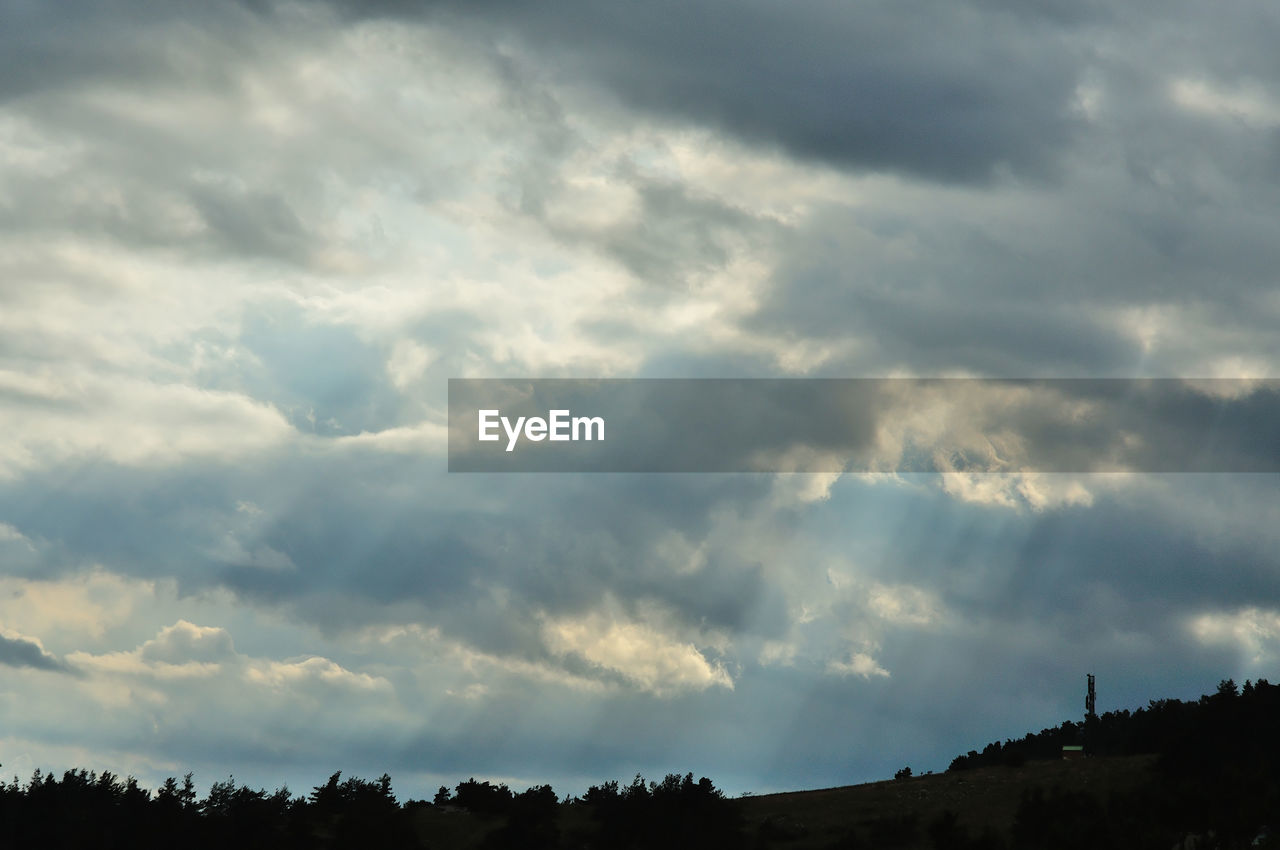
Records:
x=245, y=245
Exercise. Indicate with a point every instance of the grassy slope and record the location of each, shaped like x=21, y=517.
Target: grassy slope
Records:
x=984, y=797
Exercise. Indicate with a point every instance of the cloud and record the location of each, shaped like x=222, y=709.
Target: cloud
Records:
x=858, y=87
x=1252, y=107
x=904, y=604
x=55, y=419
x=183, y=642
x=639, y=653
x=1036, y=491
x=203, y=662
x=24, y=652
x=243, y=246
x=1253, y=631
x=858, y=664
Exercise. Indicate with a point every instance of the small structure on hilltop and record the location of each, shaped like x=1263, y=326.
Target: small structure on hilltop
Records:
x=1079, y=750
x=1090, y=718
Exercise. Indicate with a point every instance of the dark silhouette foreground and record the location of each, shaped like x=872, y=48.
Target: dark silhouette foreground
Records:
x=1215, y=783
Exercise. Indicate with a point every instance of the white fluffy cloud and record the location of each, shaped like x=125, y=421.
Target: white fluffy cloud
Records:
x=641, y=654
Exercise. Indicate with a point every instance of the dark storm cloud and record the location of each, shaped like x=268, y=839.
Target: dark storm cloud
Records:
x=485, y=579
x=1040, y=286
x=399, y=541
x=1114, y=580
x=50, y=47
x=17, y=652
x=948, y=91
x=942, y=90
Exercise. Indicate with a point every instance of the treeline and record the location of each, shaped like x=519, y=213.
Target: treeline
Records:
x=1216, y=775
x=674, y=813
x=102, y=810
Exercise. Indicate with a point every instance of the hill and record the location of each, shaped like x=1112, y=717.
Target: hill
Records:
x=932, y=810
x=943, y=810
